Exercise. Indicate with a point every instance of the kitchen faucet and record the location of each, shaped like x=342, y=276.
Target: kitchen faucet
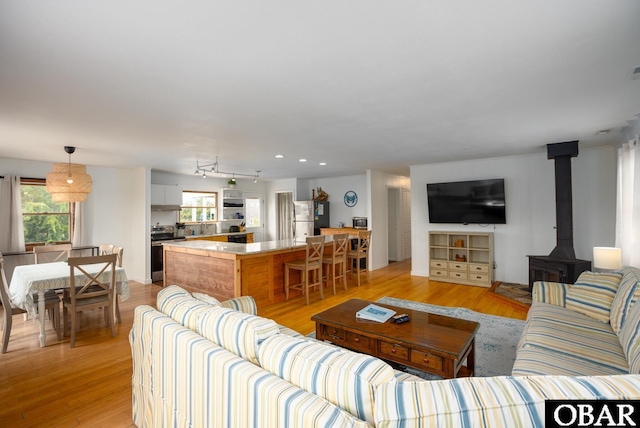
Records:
x=202, y=228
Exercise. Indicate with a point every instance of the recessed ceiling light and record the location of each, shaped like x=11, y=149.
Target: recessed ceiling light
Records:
x=279, y=156
x=303, y=160
x=322, y=163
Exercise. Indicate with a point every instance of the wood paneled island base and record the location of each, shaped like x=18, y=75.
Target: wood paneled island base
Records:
x=228, y=270
x=433, y=343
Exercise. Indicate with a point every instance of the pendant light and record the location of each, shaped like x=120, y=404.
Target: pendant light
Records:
x=68, y=182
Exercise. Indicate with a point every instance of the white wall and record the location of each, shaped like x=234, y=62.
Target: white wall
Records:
x=530, y=205
x=336, y=187
x=111, y=210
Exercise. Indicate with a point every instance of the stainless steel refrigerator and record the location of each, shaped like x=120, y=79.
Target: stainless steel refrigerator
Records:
x=308, y=218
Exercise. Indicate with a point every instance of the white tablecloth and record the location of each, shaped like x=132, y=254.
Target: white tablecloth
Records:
x=28, y=279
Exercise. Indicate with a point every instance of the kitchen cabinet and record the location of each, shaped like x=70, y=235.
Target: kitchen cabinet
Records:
x=166, y=195
x=461, y=257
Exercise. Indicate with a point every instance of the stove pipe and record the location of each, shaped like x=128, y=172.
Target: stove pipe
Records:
x=562, y=154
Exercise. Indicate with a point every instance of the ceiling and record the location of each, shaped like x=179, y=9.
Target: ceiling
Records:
x=359, y=85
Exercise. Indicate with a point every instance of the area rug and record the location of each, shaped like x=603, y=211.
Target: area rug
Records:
x=496, y=339
x=516, y=294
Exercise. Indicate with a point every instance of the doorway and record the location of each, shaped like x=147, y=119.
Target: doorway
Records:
x=254, y=215
x=284, y=215
x=398, y=224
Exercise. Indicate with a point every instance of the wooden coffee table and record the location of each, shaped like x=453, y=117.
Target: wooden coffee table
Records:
x=433, y=343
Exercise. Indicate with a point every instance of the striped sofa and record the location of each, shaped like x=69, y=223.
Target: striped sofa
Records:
x=591, y=327
x=198, y=362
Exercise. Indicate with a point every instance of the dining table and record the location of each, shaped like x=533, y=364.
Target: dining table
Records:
x=29, y=279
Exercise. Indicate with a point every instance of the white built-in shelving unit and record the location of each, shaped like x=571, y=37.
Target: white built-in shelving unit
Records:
x=461, y=257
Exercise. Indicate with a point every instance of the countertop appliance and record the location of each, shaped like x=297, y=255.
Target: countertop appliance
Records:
x=308, y=218
x=160, y=234
x=360, y=223
x=234, y=229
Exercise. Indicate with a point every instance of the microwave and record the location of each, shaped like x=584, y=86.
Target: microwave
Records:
x=360, y=223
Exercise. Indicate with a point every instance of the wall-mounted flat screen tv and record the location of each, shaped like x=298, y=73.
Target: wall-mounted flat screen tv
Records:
x=479, y=201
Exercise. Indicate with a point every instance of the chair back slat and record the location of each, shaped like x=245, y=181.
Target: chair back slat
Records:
x=105, y=249
x=94, y=285
x=340, y=244
x=52, y=253
x=315, y=249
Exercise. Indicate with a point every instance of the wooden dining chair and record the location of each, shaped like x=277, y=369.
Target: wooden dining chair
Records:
x=95, y=291
x=52, y=253
x=310, y=265
x=118, y=251
x=361, y=252
x=9, y=309
x=105, y=249
x=337, y=259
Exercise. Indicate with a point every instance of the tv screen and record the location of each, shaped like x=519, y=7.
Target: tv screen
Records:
x=479, y=201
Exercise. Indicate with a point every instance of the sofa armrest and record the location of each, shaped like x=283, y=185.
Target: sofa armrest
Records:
x=244, y=304
x=553, y=293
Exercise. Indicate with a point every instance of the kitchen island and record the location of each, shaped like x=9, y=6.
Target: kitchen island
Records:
x=225, y=270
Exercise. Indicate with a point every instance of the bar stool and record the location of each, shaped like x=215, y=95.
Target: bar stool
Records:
x=312, y=263
x=360, y=253
x=337, y=258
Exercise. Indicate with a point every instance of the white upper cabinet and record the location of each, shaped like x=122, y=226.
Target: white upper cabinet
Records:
x=166, y=195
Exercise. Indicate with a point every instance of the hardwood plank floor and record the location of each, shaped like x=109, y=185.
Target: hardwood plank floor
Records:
x=90, y=385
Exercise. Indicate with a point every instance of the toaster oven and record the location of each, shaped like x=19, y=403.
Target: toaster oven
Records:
x=360, y=223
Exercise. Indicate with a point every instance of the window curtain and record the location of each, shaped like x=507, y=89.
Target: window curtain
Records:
x=628, y=204
x=78, y=225
x=285, y=216
x=11, y=225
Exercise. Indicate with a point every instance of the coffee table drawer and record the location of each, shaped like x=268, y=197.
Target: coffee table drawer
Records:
x=394, y=351
x=332, y=333
x=426, y=360
x=358, y=342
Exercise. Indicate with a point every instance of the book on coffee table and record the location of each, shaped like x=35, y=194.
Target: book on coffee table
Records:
x=375, y=313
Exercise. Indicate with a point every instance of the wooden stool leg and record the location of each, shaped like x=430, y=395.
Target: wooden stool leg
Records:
x=286, y=283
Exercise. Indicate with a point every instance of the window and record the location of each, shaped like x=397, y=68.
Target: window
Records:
x=45, y=221
x=198, y=206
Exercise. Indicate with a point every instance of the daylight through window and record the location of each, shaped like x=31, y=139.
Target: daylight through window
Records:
x=45, y=221
x=198, y=206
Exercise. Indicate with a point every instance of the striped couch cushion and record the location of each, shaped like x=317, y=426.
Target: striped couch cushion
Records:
x=593, y=293
x=196, y=383
x=244, y=304
x=236, y=331
x=560, y=341
x=553, y=293
x=628, y=293
x=491, y=401
x=346, y=379
x=181, y=306
x=630, y=338
x=206, y=299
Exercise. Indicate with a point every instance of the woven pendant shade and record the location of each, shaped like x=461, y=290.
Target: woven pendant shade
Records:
x=61, y=190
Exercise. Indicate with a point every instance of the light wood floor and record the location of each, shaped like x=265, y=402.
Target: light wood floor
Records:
x=90, y=385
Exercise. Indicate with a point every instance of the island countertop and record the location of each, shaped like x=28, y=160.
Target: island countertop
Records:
x=239, y=249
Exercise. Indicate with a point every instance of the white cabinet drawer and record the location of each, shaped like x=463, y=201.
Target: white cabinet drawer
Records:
x=458, y=266
x=482, y=277
x=473, y=268
x=458, y=275
x=438, y=264
x=438, y=272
